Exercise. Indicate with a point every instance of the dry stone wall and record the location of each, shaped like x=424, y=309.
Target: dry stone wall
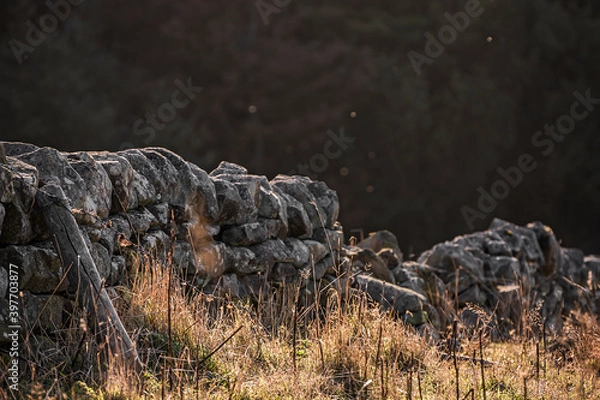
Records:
x=237, y=234
x=230, y=230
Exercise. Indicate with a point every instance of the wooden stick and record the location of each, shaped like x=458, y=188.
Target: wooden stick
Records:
x=83, y=276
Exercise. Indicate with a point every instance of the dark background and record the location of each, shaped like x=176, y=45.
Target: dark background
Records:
x=423, y=144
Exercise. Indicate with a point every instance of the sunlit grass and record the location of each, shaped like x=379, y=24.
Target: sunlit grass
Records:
x=352, y=350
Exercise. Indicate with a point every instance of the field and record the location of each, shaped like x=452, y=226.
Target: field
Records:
x=212, y=347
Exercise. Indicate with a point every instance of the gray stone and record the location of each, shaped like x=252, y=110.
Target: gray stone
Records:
x=97, y=181
x=327, y=201
x=285, y=273
x=472, y=295
x=549, y=246
x=156, y=243
x=161, y=213
x=46, y=312
x=94, y=234
x=318, y=251
x=142, y=220
x=119, y=268
x=40, y=269
x=389, y=257
x=401, y=274
x=174, y=193
x=573, y=267
x=121, y=175
x=299, y=225
x=325, y=266
x=503, y=269
x=207, y=195
x=380, y=240
x=3, y=282
x=230, y=285
x=497, y=248
x=102, y=259
x=228, y=168
x=231, y=205
x=451, y=259
x=522, y=241
x=144, y=167
x=332, y=239
x=246, y=234
x=253, y=285
x=401, y=300
x=17, y=148
x=184, y=258
x=296, y=187
x=53, y=168
x=270, y=252
x=242, y=261
x=299, y=251
x=6, y=185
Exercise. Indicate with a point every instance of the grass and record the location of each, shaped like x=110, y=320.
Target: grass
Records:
x=212, y=347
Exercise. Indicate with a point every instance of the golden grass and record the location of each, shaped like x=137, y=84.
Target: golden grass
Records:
x=352, y=350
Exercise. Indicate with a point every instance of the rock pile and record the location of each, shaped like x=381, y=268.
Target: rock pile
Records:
x=240, y=234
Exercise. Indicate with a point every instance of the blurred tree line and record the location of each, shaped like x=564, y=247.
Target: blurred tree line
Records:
x=423, y=144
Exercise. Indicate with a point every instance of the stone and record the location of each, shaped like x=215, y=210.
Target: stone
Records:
x=118, y=269
x=299, y=251
x=94, y=234
x=145, y=168
x=332, y=239
x=246, y=234
x=43, y=310
x=121, y=175
x=53, y=168
x=228, y=168
x=97, y=181
x=399, y=299
x=522, y=241
x=6, y=185
x=389, y=257
x=573, y=267
x=184, y=259
x=40, y=269
x=549, y=246
x=270, y=252
x=472, y=295
x=285, y=273
x=161, y=214
x=207, y=196
x=299, y=225
x=327, y=200
x=156, y=243
x=174, y=193
x=102, y=259
x=497, y=248
x=16, y=226
x=380, y=240
x=253, y=285
x=296, y=187
x=503, y=269
x=451, y=259
x=3, y=281
x=231, y=205
x=325, y=266
x=318, y=251
x=230, y=285
x=13, y=149
x=373, y=263
x=142, y=220
x=242, y=261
